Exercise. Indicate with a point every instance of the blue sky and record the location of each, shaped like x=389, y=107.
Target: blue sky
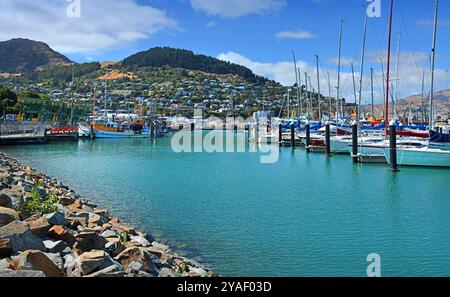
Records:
x=260, y=34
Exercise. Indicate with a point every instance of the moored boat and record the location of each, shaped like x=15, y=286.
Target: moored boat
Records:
x=424, y=156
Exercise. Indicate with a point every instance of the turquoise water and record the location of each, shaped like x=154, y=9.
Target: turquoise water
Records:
x=306, y=215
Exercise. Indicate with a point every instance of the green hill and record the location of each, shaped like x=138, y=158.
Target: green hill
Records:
x=179, y=58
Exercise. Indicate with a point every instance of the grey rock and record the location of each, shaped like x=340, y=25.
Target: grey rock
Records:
x=111, y=271
x=5, y=264
x=166, y=272
x=5, y=201
x=56, y=218
x=160, y=246
x=21, y=273
x=55, y=246
x=109, y=234
x=21, y=238
x=87, y=241
x=141, y=240
x=30, y=273
x=94, y=260
x=56, y=259
x=134, y=266
x=7, y=215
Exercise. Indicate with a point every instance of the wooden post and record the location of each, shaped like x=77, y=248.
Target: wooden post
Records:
x=192, y=126
x=308, y=137
x=393, y=146
x=327, y=139
x=355, y=142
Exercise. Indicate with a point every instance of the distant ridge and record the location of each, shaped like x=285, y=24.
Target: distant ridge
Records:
x=180, y=58
x=23, y=55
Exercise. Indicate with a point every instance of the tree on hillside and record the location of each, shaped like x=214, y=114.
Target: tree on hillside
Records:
x=8, y=101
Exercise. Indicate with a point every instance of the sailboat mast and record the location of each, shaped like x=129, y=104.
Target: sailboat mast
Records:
x=386, y=113
x=106, y=96
x=307, y=90
x=433, y=59
x=422, y=106
x=339, y=72
x=329, y=93
x=354, y=84
x=362, y=69
x=394, y=106
x=318, y=87
x=300, y=107
x=296, y=80
x=371, y=90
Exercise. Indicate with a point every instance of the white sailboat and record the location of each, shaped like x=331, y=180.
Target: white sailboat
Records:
x=425, y=156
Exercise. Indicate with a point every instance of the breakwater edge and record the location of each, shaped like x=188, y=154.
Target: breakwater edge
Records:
x=48, y=230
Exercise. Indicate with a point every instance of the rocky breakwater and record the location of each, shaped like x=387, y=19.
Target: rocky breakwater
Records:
x=47, y=230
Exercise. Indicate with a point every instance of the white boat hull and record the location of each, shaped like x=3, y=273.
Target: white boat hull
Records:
x=421, y=157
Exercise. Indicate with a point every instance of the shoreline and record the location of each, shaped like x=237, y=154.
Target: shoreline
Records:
x=48, y=230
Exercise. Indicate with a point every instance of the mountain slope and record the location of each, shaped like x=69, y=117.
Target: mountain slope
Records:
x=24, y=55
x=178, y=58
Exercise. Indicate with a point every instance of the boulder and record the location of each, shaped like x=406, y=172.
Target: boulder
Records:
x=141, y=240
x=71, y=266
x=20, y=237
x=97, y=219
x=109, y=233
x=160, y=246
x=197, y=272
x=114, y=247
x=21, y=273
x=7, y=215
x=5, y=201
x=94, y=261
x=111, y=271
x=55, y=246
x=5, y=248
x=87, y=241
x=37, y=260
x=56, y=259
x=150, y=263
x=166, y=272
x=56, y=218
x=61, y=233
x=6, y=264
x=40, y=227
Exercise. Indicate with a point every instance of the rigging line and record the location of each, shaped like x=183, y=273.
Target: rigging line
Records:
x=414, y=52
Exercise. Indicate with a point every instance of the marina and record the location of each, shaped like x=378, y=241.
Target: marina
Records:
x=281, y=148
x=242, y=220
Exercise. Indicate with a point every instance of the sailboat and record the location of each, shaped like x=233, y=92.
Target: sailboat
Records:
x=429, y=155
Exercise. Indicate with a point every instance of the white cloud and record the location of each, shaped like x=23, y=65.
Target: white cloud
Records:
x=345, y=61
x=236, y=8
x=298, y=34
x=410, y=74
x=103, y=25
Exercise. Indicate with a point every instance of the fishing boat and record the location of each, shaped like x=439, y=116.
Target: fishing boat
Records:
x=104, y=127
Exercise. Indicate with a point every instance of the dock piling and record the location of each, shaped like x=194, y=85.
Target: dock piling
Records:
x=292, y=136
x=393, y=146
x=355, y=142
x=308, y=137
x=280, y=134
x=327, y=139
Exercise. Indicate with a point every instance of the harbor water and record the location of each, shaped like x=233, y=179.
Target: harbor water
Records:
x=305, y=215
